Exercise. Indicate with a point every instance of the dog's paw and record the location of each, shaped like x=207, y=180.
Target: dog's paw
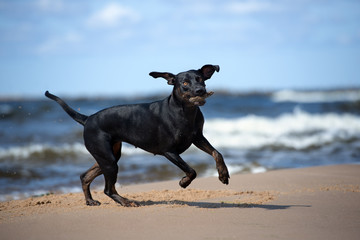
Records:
x=184, y=182
x=91, y=202
x=128, y=203
x=224, y=175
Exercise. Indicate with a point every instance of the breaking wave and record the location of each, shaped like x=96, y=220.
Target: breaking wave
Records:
x=297, y=130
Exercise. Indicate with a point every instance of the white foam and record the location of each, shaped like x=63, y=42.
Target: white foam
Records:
x=128, y=149
x=316, y=96
x=22, y=152
x=21, y=195
x=258, y=169
x=237, y=168
x=297, y=130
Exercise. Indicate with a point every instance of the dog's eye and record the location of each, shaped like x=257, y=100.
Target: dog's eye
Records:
x=185, y=83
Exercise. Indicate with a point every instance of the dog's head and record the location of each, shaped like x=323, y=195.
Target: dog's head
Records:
x=189, y=86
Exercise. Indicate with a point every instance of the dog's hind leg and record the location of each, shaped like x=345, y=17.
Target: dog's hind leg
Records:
x=86, y=179
x=107, y=156
x=95, y=171
x=110, y=171
x=178, y=161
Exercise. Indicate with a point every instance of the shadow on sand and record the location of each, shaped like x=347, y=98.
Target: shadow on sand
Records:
x=220, y=205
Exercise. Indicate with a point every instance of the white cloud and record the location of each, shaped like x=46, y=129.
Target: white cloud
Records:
x=58, y=43
x=112, y=15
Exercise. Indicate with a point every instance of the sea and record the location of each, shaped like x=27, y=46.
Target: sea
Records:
x=42, y=151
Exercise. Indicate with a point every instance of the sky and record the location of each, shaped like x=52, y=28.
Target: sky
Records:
x=108, y=48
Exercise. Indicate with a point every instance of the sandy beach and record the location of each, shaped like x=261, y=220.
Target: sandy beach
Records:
x=307, y=203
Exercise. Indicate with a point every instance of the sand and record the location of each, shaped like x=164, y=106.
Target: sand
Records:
x=308, y=203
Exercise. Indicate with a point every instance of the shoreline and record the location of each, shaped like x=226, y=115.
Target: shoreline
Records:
x=304, y=203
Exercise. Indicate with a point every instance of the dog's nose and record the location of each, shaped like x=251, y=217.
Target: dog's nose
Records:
x=200, y=91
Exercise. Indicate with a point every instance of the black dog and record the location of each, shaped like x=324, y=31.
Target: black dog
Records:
x=167, y=127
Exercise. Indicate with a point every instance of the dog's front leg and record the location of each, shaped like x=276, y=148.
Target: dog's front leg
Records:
x=178, y=161
x=202, y=143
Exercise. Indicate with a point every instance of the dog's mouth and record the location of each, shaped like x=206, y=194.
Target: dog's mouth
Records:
x=200, y=100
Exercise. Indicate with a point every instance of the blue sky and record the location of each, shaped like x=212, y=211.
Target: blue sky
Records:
x=75, y=47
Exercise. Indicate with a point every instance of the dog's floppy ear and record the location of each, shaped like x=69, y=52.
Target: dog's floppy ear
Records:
x=208, y=70
x=168, y=76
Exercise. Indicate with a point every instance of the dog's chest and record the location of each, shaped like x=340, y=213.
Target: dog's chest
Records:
x=183, y=135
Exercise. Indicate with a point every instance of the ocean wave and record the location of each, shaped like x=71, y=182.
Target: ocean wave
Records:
x=41, y=151
x=316, y=96
x=298, y=130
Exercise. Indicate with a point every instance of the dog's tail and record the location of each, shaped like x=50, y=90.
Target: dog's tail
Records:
x=80, y=118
